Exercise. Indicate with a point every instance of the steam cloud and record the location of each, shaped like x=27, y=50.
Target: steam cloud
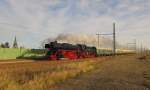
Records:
x=90, y=40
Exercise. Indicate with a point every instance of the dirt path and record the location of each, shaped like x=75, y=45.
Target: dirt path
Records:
x=120, y=73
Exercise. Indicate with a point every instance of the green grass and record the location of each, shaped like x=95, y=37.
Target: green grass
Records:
x=12, y=53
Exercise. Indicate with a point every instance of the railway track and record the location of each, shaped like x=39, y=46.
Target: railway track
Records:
x=11, y=62
x=15, y=61
x=50, y=61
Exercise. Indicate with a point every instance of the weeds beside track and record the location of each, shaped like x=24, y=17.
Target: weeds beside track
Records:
x=41, y=75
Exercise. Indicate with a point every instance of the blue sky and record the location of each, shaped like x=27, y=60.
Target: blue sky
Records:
x=35, y=20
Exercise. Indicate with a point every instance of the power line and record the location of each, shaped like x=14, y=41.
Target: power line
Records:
x=114, y=39
x=98, y=35
x=133, y=43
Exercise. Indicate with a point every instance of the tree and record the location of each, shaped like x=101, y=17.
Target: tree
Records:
x=15, y=45
x=2, y=45
x=6, y=45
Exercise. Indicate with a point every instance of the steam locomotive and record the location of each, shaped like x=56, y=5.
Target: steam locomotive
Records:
x=57, y=51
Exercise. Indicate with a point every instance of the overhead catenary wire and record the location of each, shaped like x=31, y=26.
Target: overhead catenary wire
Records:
x=114, y=38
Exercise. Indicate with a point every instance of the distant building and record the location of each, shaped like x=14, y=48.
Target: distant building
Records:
x=15, y=44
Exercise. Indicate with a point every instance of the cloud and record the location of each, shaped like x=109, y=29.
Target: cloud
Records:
x=34, y=20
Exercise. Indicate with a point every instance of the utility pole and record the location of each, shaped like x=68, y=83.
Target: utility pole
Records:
x=98, y=35
x=135, y=45
x=114, y=39
x=141, y=48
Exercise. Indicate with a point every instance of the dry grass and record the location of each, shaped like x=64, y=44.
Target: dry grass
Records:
x=40, y=75
x=119, y=73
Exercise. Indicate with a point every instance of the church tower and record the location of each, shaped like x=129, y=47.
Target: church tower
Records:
x=15, y=45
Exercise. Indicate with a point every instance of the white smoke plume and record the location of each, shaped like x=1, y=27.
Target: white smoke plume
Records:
x=89, y=40
x=76, y=38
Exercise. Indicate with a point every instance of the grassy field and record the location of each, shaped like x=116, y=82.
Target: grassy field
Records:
x=41, y=75
x=12, y=53
x=7, y=53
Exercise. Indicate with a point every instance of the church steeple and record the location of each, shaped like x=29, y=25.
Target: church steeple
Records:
x=15, y=45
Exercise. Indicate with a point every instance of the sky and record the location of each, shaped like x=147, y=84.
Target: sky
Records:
x=32, y=21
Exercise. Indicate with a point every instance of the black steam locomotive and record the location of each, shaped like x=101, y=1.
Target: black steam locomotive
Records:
x=57, y=51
